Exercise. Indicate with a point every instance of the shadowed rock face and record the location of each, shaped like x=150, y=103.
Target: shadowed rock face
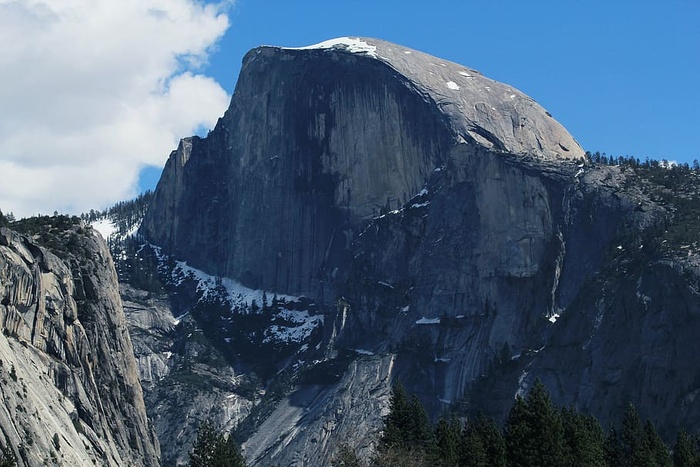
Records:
x=441, y=217
x=69, y=379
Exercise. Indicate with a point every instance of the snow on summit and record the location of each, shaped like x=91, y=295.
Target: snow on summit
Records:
x=352, y=44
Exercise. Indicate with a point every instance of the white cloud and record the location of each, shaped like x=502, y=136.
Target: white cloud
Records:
x=91, y=91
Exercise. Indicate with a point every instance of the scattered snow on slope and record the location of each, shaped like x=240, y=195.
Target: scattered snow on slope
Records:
x=299, y=326
x=286, y=325
x=238, y=293
x=105, y=227
x=110, y=231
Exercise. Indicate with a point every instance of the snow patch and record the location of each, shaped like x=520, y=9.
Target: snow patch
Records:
x=351, y=44
x=553, y=318
x=105, y=227
x=364, y=352
x=452, y=85
x=442, y=360
x=464, y=73
x=424, y=320
x=298, y=326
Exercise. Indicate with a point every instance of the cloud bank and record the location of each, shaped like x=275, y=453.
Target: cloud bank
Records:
x=92, y=91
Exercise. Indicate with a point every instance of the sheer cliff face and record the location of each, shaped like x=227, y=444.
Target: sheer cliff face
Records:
x=318, y=141
x=69, y=380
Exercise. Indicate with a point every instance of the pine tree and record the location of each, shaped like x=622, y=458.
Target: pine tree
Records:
x=684, y=451
x=545, y=421
x=213, y=449
x=613, y=448
x=655, y=449
x=493, y=441
x=517, y=434
x=398, y=422
x=3, y=220
x=447, y=437
x=472, y=451
x=482, y=444
x=634, y=451
x=407, y=428
x=583, y=438
x=421, y=433
x=534, y=432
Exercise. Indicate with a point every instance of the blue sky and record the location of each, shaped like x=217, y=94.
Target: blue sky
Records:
x=96, y=93
x=620, y=75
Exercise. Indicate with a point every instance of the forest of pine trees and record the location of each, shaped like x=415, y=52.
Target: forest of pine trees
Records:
x=535, y=434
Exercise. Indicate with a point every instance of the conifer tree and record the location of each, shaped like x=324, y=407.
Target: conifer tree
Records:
x=517, y=434
x=447, y=437
x=613, y=448
x=583, y=438
x=472, y=452
x=213, y=449
x=421, y=433
x=684, y=451
x=492, y=439
x=545, y=421
x=482, y=444
x=398, y=421
x=655, y=449
x=534, y=432
x=633, y=443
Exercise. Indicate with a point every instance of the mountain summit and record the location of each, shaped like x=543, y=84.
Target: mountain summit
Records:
x=322, y=138
x=478, y=110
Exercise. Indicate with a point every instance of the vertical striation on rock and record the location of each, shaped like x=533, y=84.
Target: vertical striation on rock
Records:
x=70, y=383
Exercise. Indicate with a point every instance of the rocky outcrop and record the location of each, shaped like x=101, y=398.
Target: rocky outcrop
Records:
x=185, y=378
x=445, y=223
x=70, y=388
x=309, y=427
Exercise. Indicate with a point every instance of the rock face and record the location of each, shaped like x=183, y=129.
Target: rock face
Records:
x=70, y=388
x=273, y=195
x=448, y=226
x=185, y=379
